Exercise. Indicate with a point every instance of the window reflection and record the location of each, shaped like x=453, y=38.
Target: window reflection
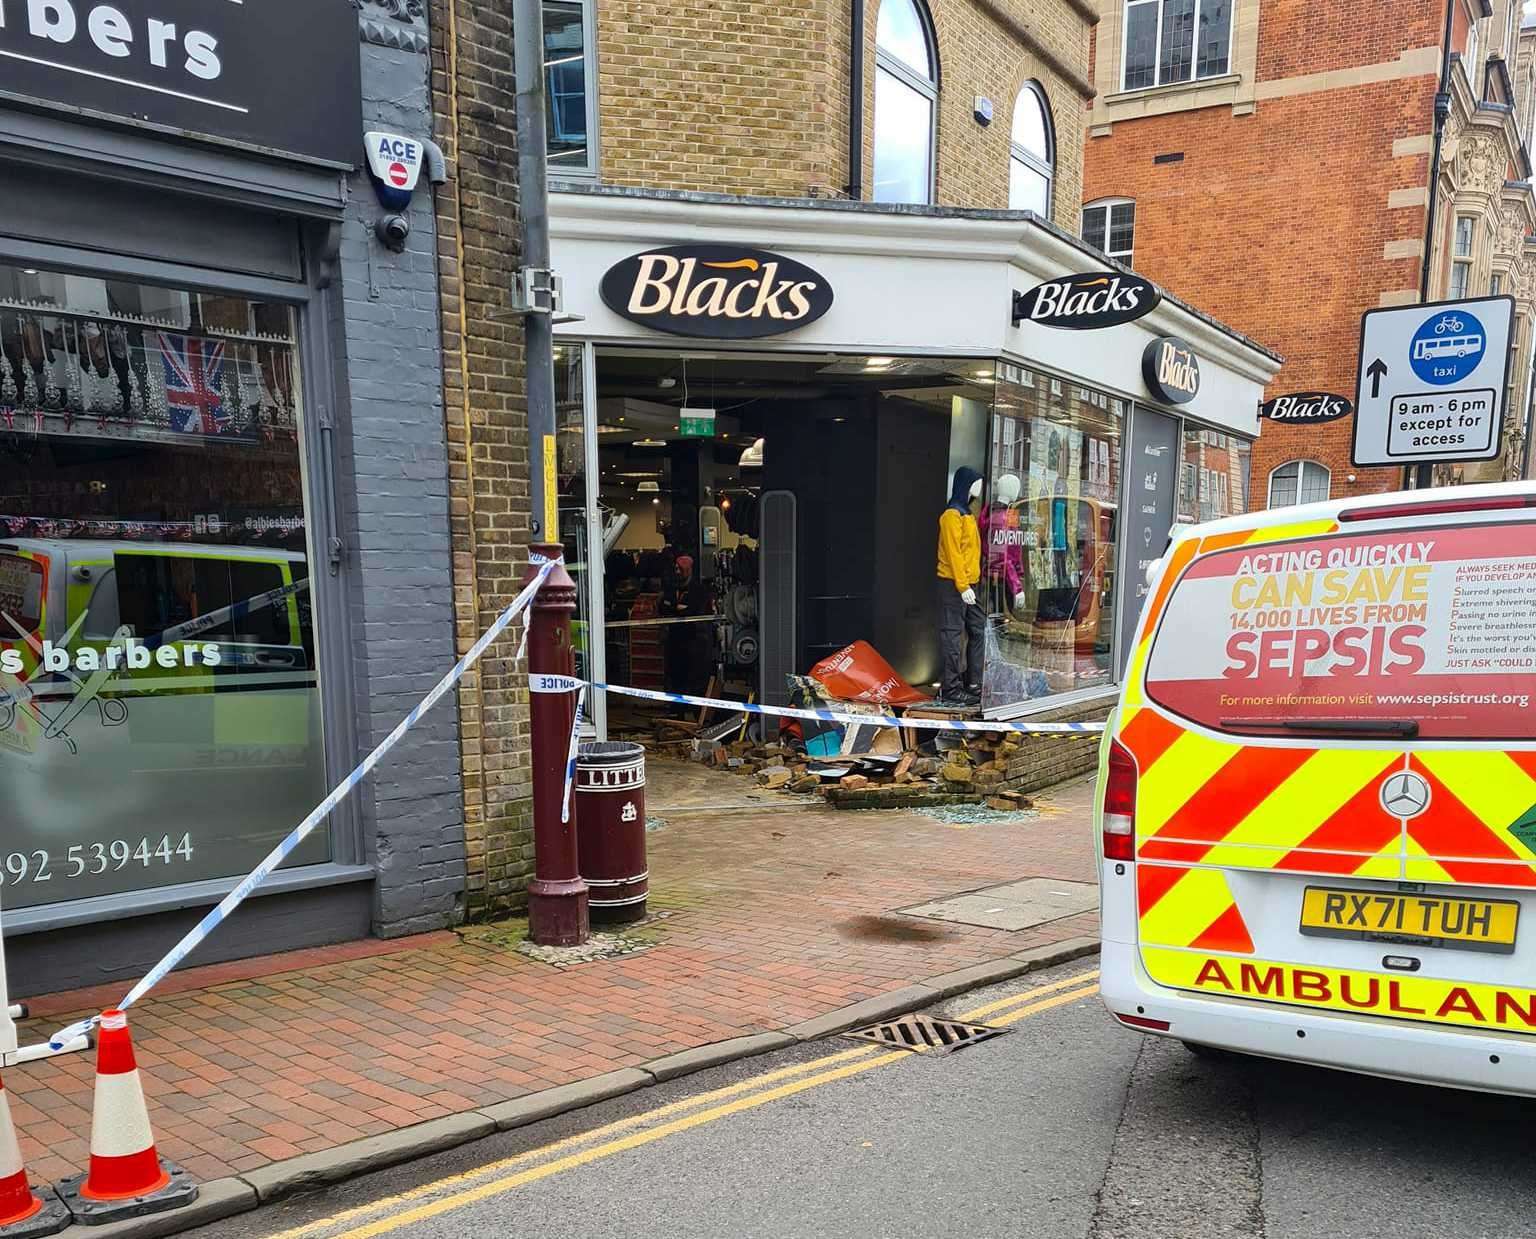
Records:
x=1049, y=530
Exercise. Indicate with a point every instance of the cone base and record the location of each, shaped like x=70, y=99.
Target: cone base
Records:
x=180, y=1190
x=49, y=1217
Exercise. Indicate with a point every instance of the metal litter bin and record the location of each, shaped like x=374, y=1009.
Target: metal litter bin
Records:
x=610, y=839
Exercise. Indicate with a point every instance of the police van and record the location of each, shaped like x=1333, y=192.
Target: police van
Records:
x=1317, y=816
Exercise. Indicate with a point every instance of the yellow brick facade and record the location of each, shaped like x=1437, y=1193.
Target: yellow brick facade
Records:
x=751, y=96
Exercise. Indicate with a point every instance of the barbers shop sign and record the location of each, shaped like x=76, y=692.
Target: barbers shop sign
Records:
x=279, y=76
x=716, y=291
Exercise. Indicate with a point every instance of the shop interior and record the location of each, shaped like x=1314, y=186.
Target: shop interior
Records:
x=838, y=468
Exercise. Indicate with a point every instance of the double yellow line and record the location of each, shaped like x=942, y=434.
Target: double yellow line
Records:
x=497, y=1178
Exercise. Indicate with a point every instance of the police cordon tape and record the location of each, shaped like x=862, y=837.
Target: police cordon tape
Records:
x=538, y=683
x=216, y=917
x=834, y=716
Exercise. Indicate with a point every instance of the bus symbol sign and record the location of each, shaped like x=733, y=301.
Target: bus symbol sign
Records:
x=1447, y=347
x=1432, y=382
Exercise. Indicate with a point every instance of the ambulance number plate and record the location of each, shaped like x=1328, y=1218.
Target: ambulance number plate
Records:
x=1438, y=920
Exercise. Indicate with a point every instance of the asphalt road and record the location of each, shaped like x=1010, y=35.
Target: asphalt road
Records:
x=1066, y=1126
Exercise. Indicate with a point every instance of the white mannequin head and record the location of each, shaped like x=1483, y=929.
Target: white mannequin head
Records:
x=1008, y=489
x=975, y=490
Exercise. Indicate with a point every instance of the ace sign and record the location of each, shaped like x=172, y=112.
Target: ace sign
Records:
x=1432, y=382
x=395, y=164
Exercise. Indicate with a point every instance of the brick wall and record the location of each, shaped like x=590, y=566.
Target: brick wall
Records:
x=1044, y=760
x=1290, y=222
x=395, y=507
x=741, y=96
x=486, y=421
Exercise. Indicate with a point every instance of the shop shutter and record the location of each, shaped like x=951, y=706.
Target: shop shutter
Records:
x=776, y=603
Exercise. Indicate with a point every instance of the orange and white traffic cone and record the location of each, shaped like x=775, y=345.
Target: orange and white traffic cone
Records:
x=127, y=1177
x=23, y=1213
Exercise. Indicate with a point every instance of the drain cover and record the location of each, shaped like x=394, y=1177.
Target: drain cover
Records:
x=923, y=1032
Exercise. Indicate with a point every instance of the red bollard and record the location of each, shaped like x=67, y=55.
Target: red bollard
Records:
x=557, y=897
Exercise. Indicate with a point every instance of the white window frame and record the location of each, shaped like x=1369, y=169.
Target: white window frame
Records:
x=1302, y=464
x=1105, y=204
x=1459, y=282
x=1157, y=55
x=929, y=88
x=1017, y=154
x=1469, y=61
x=559, y=169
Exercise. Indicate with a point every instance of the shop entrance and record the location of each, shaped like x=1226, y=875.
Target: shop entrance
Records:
x=835, y=468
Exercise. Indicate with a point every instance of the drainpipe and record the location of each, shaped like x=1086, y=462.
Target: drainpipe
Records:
x=1425, y=473
x=856, y=100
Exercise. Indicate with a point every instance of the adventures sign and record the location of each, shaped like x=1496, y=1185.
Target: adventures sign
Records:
x=1086, y=301
x=716, y=291
x=1307, y=408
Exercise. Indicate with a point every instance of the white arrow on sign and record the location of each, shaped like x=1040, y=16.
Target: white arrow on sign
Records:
x=1432, y=382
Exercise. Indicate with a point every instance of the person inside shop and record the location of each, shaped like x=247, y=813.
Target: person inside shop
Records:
x=962, y=623
x=685, y=597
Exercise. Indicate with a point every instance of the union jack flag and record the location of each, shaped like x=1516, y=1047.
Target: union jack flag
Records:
x=194, y=380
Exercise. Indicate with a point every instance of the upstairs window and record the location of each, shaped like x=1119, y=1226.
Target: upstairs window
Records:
x=1168, y=41
x=1298, y=481
x=1033, y=153
x=906, y=102
x=570, y=87
x=1110, y=227
x=1461, y=257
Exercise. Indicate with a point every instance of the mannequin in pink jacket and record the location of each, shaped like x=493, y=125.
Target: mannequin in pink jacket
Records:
x=1002, y=537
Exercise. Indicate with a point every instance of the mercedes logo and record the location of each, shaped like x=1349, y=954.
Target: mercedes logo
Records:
x=1405, y=794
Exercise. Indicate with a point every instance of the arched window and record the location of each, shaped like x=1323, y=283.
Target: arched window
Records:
x=1298, y=481
x=906, y=102
x=1033, y=153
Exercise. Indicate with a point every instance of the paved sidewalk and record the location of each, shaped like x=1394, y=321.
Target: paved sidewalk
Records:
x=772, y=918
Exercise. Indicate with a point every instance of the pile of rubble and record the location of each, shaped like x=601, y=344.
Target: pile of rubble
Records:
x=938, y=769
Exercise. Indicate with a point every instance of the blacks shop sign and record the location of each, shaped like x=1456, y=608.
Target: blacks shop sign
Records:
x=1086, y=301
x=716, y=291
x=1171, y=370
x=1307, y=408
x=279, y=76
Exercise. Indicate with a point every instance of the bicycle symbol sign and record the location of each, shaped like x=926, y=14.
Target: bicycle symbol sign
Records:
x=1447, y=347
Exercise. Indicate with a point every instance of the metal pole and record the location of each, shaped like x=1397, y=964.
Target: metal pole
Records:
x=557, y=897
x=533, y=196
x=1420, y=476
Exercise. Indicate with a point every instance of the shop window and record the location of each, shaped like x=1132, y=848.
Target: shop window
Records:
x=1213, y=477
x=1033, y=153
x=1169, y=41
x=1110, y=227
x=906, y=102
x=1049, y=530
x=1461, y=256
x=159, y=696
x=1298, y=481
x=570, y=85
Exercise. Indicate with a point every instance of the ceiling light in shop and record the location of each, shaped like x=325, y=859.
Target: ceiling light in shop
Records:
x=648, y=488
x=650, y=443
x=878, y=363
x=752, y=458
x=656, y=501
x=985, y=372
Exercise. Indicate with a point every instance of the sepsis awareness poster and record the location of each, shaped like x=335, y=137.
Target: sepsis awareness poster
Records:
x=1436, y=626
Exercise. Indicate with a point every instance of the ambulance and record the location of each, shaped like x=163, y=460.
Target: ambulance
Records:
x=1317, y=811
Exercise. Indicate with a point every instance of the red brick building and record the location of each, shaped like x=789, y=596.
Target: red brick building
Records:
x=1272, y=161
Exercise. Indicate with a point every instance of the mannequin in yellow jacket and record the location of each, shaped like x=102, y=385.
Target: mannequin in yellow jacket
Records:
x=962, y=623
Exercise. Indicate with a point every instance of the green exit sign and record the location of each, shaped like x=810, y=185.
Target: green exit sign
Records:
x=697, y=423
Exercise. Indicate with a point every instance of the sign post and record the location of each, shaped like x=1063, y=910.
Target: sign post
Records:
x=1432, y=382
x=7, y=1024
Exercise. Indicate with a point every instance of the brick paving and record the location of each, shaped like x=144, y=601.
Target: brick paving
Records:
x=772, y=918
